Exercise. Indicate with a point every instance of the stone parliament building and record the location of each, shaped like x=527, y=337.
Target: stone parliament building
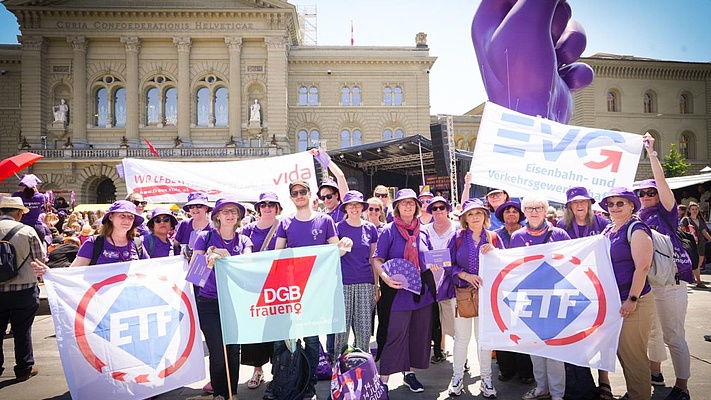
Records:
x=221, y=80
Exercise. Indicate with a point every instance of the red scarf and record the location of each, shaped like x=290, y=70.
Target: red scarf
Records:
x=410, y=254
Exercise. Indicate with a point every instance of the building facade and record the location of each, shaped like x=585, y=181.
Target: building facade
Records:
x=92, y=81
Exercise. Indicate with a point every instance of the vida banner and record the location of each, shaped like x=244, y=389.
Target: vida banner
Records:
x=280, y=294
x=557, y=300
x=523, y=154
x=126, y=330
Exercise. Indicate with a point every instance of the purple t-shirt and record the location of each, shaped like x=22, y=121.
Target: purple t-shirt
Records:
x=505, y=236
x=185, y=229
x=36, y=206
x=110, y=254
x=160, y=248
x=392, y=245
x=314, y=232
x=576, y=231
x=337, y=215
x=355, y=265
x=652, y=216
x=257, y=236
x=621, y=256
x=235, y=246
x=143, y=230
x=460, y=255
x=522, y=238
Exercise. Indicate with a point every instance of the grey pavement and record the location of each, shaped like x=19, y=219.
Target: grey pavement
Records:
x=50, y=383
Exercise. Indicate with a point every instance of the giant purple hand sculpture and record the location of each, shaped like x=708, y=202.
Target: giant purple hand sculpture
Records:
x=526, y=51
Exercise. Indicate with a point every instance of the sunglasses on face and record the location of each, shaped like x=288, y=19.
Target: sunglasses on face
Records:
x=647, y=193
x=381, y=195
x=618, y=204
x=301, y=192
x=190, y=207
x=439, y=208
x=326, y=196
x=139, y=203
x=267, y=205
x=373, y=209
x=161, y=219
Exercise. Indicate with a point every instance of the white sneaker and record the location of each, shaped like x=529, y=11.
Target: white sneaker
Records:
x=487, y=388
x=536, y=394
x=455, y=388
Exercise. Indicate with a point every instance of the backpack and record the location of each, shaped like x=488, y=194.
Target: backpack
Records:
x=9, y=267
x=99, y=247
x=290, y=373
x=663, y=271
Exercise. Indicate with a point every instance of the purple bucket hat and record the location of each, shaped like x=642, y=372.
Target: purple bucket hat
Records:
x=228, y=200
x=406, y=194
x=124, y=206
x=624, y=193
x=472, y=204
x=162, y=211
x=500, y=210
x=438, y=199
x=328, y=183
x=647, y=184
x=577, y=193
x=196, y=198
x=30, y=180
x=353, y=196
x=268, y=196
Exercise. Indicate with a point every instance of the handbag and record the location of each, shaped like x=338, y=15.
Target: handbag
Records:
x=467, y=302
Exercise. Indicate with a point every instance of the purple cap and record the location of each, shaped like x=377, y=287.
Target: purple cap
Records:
x=500, y=210
x=624, y=193
x=268, y=196
x=438, y=199
x=472, y=204
x=30, y=181
x=406, y=194
x=647, y=184
x=577, y=193
x=162, y=211
x=228, y=200
x=328, y=183
x=195, y=198
x=124, y=206
x=353, y=196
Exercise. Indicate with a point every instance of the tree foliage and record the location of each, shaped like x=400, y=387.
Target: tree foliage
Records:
x=674, y=163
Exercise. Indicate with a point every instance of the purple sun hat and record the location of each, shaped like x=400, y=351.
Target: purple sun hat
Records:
x=124, y=206
x=268, y=196
x=646, y=184
x=472, y=204
x=406, y=193
x=228, y=200
x=621, y=192
x=353, y=196
x=500, y=210
x=438, y=199
x=30, y=180
x=197, y=198
x=577, y=193
x=162, y=211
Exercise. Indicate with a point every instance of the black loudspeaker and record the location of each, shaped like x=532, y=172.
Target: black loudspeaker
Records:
x=440, y=149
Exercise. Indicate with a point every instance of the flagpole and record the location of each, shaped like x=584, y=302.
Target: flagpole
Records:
x=227, y=368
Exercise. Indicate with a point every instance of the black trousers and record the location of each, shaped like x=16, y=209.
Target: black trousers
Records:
x=511, y=363
x=19, y=309
x=209, y=314
x=436, y=331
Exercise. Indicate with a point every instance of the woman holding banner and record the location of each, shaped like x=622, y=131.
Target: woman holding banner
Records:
x=658, y=211
x=579, y=220
x=405, y=318
x=464, y=248
x=549, y=373
x=262, y=234
x=630, y=262
x=221, y=240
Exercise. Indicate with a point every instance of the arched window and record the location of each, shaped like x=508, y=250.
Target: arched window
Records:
x=387, y=96
x=211, y=102
x=351, y=138
x=345, y=96
x=393, y=133
x=171, y=106
x=109, y=102
x=303, y=96
x=397, y=100
x=221, y=107
x=152, y=107
x=356, y=95
x=203, y=107
x=120, y=108
x=686, y=145
x=313, y=96
x=650, y=102
x=160, y=92
x=101, y=108
x=685, y=103
x=613, y=102
x=460, y=144
x=306, y=139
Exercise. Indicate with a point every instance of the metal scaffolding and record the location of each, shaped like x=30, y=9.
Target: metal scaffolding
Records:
x=309, y=24
x=451, y=152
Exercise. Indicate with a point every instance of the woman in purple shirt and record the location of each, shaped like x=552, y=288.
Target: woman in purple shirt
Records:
x=405, y=318
x=358, y=279
x=511, y=215
x=464, y=248
x=198, y=208
x=262, y=233
x=35, y=202
x=157, y=243
x=222, y=240
x=549, y=373
x=579, y=220
x=630, y=263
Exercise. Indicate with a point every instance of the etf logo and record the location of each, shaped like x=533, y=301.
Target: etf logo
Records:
x=284, y=287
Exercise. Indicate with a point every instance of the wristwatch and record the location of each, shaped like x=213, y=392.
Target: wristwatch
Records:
x=653, y=153
x=633, y=298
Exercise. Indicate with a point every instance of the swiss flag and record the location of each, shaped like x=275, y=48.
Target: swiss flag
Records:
x=151, y=148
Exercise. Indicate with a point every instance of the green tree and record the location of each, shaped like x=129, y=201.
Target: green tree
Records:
x=674, y=163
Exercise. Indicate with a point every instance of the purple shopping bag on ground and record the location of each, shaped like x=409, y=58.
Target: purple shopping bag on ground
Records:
x=324, y=370
x=356, y=377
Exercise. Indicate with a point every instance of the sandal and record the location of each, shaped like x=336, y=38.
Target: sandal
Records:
x=604, y=391
x=257, y=379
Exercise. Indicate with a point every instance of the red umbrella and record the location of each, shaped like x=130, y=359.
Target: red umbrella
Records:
x=14, y=164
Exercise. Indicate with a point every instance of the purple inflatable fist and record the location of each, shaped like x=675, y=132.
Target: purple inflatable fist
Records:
x=526, y=51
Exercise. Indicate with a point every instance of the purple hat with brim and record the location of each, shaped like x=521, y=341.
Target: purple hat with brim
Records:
x=438, y=199
x=353, y=196
x=124, y=206
x=647, y=184
x=228, y=200
x=625, y=194
x=472, y=204
x=30, y=181
x=328, y=183
x=577, y=193
x=268, y=197
x=406, y=193
x=196, y=198
x=162, y=211
x=500, y=210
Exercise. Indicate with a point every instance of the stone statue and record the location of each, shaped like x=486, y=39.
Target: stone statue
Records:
x=254, y=109
x=124, y=142
x=177, y=142
x=60, y=111
x=24, y=145
x=68, y=144
x=232, y=142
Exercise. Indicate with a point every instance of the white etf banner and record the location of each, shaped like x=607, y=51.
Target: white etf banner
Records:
x=525, y=154
x=171, y=182
x=557, y=300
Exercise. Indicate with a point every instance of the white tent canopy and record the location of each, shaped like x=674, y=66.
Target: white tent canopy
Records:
x=683, y=181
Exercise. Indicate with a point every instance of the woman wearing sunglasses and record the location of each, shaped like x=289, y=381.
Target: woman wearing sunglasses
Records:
x=157, y=243
x=137, y=200
x=263, y=236
x=221, y=240
x=658, y=211
x=375, y=213
x=198, y=208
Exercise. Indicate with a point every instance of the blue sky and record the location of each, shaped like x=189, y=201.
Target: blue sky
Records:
x=661, y=29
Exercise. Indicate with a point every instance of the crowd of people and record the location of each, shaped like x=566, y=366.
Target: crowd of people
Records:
x=371, y=232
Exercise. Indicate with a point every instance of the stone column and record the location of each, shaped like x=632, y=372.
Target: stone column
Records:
x=234, y=44
x=78, y=111
x=35, y=108
x=183, y=44
x=276, y=114
x=133, y=46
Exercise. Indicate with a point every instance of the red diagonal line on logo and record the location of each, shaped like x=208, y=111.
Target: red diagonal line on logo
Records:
x=284, y=274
